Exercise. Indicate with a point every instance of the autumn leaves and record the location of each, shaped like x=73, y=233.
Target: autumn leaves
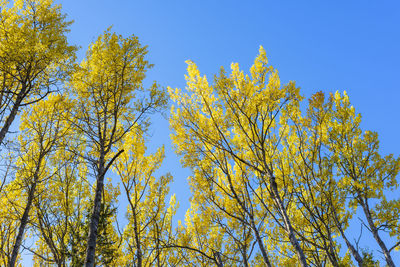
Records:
x=276, y=182
x=281, y=183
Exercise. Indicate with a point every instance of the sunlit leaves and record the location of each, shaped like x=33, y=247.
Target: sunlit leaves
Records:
x=258, y=156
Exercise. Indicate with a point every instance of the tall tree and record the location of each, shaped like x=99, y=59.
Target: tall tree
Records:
x=62, y=216
x=34, y=55
x=230, y=134
x=322, y=205
x=258, y=161
x=365, y=175
x=149, y=216
x=42, y=127
x=110, y=101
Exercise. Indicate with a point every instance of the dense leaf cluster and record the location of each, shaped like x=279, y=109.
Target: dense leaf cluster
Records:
x=275, y=181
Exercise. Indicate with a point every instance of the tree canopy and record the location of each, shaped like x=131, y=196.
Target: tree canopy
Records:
x=277, y=180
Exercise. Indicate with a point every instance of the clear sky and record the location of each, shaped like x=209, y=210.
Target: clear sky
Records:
x=322, y=45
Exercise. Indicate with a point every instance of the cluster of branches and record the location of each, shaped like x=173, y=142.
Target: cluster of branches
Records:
x=55, y=199
x=275, y=182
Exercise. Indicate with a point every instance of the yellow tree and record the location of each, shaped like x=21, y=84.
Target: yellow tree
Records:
x=260, y=163
x=149, y=217
x=365, y=175
x=60, y=210
x=211, y=237
x=230, y=134
x=9, y=215
x=111, y=102
x=42, y=127
x=62, y=213
x=332, y=161
x=62, y=221
x=34, y=55
x=322, y=211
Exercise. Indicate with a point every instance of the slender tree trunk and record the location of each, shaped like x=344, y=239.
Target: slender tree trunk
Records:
x=22, y=226
x=94, y=220
x=57, y=258
x=374, y=230
x=137, y=240
x=355, y=253
x=158, y=247
x=292, y=238
x=13, y=114
x=218, y=259
x=245, y=260
x=25, y=215
x=350, y=246
x=260, y=243
x=329, y=248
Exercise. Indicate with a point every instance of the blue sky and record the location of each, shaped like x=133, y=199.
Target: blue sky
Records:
x=341, y=45
x=322, y=45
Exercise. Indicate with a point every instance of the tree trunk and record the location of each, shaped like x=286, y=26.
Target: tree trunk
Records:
x=12, y=115
x=22, y=226
x=245, y=260
x=292, y=238
x=374, y=230
x=355, y=253
x=218, y=259
x=350, y=246
x=137, y=240
x=260, y=243
x=25, y=215
x=94, y=219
